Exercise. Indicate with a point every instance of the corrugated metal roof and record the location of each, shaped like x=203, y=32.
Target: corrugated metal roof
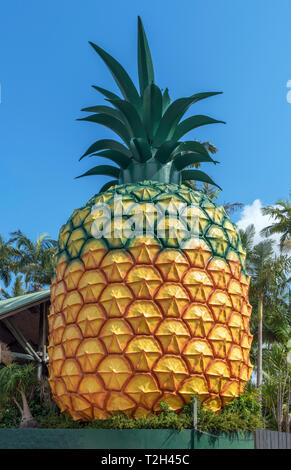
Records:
x=23, y=301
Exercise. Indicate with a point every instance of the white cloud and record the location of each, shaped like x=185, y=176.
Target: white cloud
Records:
x=252, y=214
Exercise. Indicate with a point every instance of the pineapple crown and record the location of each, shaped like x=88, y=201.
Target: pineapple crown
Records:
x=150, y=127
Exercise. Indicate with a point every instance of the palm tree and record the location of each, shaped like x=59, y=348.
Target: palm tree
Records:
x=270, y=277
x=260, y=270
x=277, y=327
x=277, y=381
x=247, y=239
x=35, y=259
x=17, y=289
x=271, y=305
x=7, y=253
x=17, y=382
x=278, y=307
x=281, y=213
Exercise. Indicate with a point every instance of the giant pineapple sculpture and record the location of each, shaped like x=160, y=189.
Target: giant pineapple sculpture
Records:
x=143, y=316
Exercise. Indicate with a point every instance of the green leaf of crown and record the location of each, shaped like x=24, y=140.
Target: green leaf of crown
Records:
x=149, y=125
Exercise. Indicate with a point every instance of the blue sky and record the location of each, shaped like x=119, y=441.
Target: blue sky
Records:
x=240, y=47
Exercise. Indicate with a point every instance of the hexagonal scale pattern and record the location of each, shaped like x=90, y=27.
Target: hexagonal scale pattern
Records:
x=135, y=321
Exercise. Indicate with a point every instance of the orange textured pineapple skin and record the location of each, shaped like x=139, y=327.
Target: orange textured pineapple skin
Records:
x=148, y=320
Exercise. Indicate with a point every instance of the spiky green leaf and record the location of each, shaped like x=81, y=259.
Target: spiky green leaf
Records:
x=112, y=123
x=117, y=157
x=106, y=144
x=108, y=94
x=166, y=100
x=145, y=64
x=192, y=123
x=164, y=153
x=107, y=170
x=183, y=160
x=141, y=150
x=152, y=109
x=135, y=127
x=105, y=110
x=197, y=175
x=121, y=77
x=174, y=114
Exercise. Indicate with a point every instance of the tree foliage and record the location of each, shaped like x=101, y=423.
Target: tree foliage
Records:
x=281, y=215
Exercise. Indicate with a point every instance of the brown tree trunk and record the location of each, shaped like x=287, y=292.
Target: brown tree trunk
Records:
x=27, y=420
x=260, y=347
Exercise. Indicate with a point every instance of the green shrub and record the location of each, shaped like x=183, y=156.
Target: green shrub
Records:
x=242, y=414
x=9, y=416
x=246, y=404
x=58, y=421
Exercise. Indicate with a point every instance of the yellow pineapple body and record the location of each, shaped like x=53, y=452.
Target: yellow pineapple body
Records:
x=135, y=321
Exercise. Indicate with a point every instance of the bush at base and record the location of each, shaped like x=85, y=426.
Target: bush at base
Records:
x=242, y=414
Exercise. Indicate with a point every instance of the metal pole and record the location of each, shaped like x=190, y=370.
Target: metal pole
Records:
x=21, y=340
x=41, y=340
x=195, y=413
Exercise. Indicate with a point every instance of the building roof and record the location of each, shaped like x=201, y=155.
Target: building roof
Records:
x=23, y=302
